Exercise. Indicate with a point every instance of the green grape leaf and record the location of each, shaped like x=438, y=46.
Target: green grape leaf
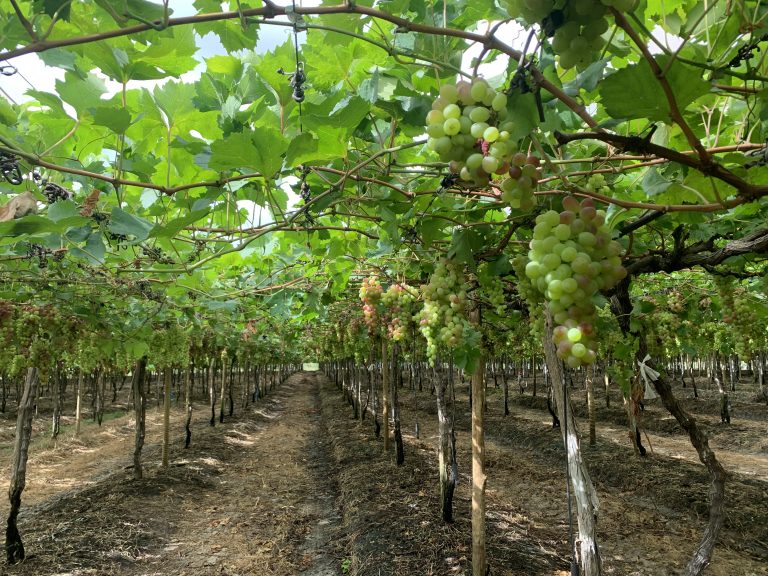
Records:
x=59, y=8
x=647, y=97
x=62, y=209
x=259, y=150
x=94, y=250
x=31, y=224
x=654, y=183
x=175, y=226
x=116, y=119
x=126, y=224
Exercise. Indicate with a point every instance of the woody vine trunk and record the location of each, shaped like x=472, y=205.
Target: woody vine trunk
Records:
x=140, y=408
x=14, y=547
x=56, y=396
x=621, y=305
x=479, y=560
x=385, y=392
x=167, y=375
x=583, y=490
x=445, y=460
x=188, y=406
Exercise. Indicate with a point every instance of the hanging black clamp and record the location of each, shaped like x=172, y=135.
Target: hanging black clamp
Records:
x=448, y=181
x=304, y=190
x=296, y=80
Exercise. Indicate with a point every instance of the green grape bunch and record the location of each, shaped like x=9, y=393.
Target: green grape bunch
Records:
x=577, y=27
x=492, y=287
x=571, y=258
x=370, y=294
x=468, y=127
x=740, y=315
x=443, y=320
x=524, y=175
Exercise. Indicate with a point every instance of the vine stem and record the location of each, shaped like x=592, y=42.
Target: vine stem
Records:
x=24, y=22
x=169, y=191
x=577, y=191
x=746, y=191
x=674, y=109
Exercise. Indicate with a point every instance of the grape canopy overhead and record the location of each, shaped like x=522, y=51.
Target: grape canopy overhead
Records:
x=610, y=138
x=455, y=178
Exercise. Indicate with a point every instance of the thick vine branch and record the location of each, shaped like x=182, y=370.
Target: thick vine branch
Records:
x=116, y=182
x=621, y=305
x=663, y=208
x=703, y=254
x=24, y=22
x=674, y=110
x=646, y=218
x=640, y=145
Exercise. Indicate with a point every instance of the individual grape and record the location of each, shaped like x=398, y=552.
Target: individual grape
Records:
x=490, y=164
x=449, y=93
x=478, y=129
x=435, y=131
x=451, y=126
x=475, y=161
x=479, y=90
x=491, y=134
x=479, y=114
x=435, y=117
x=499, y=102
x=452, y=111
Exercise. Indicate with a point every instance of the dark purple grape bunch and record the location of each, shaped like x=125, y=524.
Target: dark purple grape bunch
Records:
x=54, y=192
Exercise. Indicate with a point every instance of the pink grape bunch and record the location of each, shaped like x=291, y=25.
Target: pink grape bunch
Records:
x=370, y=294
x=398, y=300
x=571, y=258
x=442, y=320
x=524, y=175
x=469, y=129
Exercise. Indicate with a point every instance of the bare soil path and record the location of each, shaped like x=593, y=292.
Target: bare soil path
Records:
x=255, y=495
x=294, y=486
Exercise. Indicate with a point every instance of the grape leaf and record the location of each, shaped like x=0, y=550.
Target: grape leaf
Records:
x=260, y=150
x=126, y=224
x=647, y=97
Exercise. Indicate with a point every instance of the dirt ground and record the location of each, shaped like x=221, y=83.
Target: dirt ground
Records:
x=294, y=485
